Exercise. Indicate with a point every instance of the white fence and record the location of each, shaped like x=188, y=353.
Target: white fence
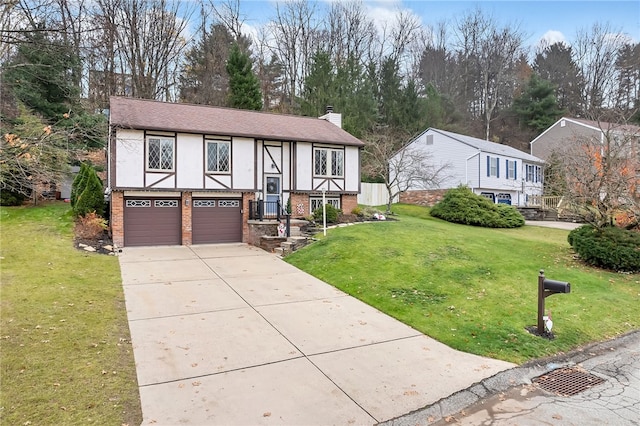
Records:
x=373, y=194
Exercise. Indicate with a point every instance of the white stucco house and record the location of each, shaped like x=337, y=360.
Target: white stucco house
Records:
x=498, y=172
x=191, y=174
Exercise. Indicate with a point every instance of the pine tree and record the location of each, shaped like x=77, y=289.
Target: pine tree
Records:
x=538, y=106
x=244, y=88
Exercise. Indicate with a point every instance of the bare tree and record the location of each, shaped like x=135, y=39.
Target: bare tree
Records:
x=596, y=50
x=489, y=55
x=349, y=31
x=295, y=34
x=148, y=41
x=401, y=170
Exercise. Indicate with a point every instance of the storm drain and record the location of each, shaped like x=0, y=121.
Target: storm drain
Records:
x=567, y=381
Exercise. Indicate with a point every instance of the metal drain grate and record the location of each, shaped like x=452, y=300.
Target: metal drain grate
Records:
x=567, y=381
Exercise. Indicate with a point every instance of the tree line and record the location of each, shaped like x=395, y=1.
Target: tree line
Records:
x=62, y=59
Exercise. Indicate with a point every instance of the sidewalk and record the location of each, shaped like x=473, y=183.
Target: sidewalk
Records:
x=233, y=335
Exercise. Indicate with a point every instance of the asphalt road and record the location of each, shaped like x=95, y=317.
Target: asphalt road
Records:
x=514, y=397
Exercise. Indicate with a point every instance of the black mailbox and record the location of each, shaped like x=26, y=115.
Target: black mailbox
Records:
x=547, y=287
x=557, y=286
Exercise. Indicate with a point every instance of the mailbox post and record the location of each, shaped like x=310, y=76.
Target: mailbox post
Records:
x=546, y=288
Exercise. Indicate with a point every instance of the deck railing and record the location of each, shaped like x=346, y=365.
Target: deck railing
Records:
x=544, y=202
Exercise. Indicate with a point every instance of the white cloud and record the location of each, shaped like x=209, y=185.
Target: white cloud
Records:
x=551, y=37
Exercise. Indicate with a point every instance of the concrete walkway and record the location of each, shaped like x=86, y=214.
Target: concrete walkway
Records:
x=554, y=224
x=232, y=335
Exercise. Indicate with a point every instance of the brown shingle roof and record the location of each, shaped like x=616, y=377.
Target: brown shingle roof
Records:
x=153, y=115
x=606, y=126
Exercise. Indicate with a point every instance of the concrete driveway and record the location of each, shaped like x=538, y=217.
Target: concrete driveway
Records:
x=232, y=335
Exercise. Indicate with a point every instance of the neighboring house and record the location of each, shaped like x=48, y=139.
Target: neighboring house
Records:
x=189, y=174
x=571, y=132
x=498, y=172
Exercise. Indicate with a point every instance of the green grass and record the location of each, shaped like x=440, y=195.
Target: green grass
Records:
x=66, y=356
x=474, y=289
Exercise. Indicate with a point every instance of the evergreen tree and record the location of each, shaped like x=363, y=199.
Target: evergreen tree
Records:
x=538, y=107
x=244, y=88
x=319, y=86
x=39, y=75
x=203, y=78
x=555, y=64
x=91, y=199
x=79, y=183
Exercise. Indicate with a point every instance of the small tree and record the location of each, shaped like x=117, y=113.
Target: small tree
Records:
x=91, y=199
x=79, y=183
x=401, y=170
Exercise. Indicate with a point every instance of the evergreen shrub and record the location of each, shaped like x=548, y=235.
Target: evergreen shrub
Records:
x=461, y=205
x=91, y=199
x=332, y=214
x=610, y=247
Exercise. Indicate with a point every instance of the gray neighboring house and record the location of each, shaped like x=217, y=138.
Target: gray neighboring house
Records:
x=567, y=131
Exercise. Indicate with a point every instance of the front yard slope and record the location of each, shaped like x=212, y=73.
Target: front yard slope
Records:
x=474, y=289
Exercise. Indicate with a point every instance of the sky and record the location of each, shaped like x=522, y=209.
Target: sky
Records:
x=553, y=20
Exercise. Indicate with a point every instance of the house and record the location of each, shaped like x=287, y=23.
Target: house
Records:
x=192, y=174
x=568, y=133
x=598, y=165
x=498, y=172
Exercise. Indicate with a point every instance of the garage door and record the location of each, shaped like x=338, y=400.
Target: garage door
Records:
x=152, y=221
x=216, y=221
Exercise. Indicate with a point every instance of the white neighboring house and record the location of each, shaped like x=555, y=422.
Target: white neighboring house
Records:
x=499, y=172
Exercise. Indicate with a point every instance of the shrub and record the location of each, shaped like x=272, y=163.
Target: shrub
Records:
x=90, y=226
x=609, y=248
x=357, y=211
x=92, y=197
x=8, y=198
x=461, y=205
x=332, y=214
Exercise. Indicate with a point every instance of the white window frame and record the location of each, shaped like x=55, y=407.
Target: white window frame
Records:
x=511, y=169
x=493, y=166
x=162, y=140
x=333, y=159
x=533, y=173
x=218, y=143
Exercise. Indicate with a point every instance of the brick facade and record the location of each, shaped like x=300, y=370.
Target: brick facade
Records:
x=300, y=205
x=426, y=198
x=187, y=206
x=116, y=218
x=348, y=203
x=246, y=232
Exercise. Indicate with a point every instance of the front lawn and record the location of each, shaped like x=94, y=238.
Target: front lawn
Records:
x=66, y=356
x=474, y=289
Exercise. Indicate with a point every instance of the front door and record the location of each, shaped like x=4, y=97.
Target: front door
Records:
x=273, y=195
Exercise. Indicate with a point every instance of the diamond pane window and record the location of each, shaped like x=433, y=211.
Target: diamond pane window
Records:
x=159, y=153
x=329, y=162
x=337, y=163
x=320, y=162
x=218, y=157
